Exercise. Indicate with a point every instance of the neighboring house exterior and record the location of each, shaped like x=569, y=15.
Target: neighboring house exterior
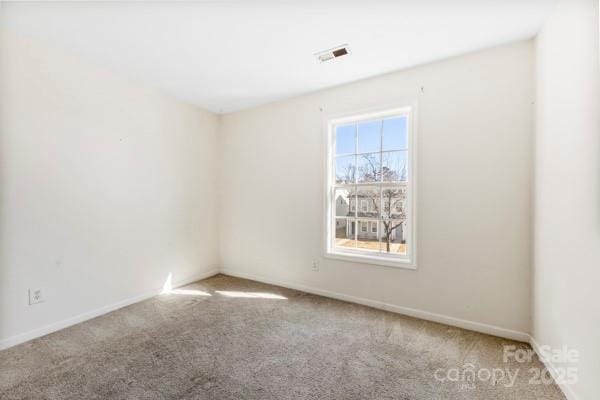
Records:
x=360, y=209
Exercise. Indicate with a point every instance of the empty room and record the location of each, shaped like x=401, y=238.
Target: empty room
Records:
x=271, y=200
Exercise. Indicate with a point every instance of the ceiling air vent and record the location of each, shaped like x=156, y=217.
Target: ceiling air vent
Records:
x=330, y=54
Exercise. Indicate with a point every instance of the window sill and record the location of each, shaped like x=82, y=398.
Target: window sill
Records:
x=368, y=259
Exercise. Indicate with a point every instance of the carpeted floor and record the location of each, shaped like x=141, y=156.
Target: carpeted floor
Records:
x=229, y=338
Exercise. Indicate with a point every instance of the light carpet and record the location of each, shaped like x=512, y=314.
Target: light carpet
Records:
x=229, y=338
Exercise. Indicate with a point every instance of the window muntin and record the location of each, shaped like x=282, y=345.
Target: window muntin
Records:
x=370, y=164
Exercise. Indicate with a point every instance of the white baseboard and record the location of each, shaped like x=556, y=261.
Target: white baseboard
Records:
x=412, y=312
x=566, y=389
x=44, y=330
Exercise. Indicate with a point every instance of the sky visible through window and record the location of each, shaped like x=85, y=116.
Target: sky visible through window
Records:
x=366, y=140
x=394, y=136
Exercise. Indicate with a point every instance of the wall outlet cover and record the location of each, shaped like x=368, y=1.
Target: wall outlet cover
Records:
x=35, y=296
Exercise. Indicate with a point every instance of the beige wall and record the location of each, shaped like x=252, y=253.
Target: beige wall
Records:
x=106, y=188
x=566, y=300
x=475, y=118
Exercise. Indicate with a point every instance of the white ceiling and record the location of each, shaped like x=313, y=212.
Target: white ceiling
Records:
x=226, y=56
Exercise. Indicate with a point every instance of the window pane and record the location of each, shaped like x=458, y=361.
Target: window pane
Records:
x=345, y=169
x=393, y=202
x=369, y=137
x=395, y=134
x=367, y=240
x=344, y=233
x=393, y=237
x=369, y=167
x=353, y=203
x=395, y=166
x=345, y=140
x=369, y=196
x=342, y=203
x=368, y=202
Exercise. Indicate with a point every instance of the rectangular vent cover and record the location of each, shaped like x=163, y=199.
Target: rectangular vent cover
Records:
x=330, y=54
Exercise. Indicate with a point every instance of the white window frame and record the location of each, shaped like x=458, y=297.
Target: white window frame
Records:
x=407, y=261
x=364, y=206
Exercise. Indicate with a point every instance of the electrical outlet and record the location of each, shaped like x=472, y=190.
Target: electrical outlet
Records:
x=35, y=296
x=315, y=265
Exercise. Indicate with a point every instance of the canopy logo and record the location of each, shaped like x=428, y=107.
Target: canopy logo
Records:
x=514, y=357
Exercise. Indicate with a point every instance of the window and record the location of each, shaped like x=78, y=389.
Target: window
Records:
x=371, y=167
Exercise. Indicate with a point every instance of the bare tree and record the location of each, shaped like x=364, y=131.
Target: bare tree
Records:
x=392, y=200
x=391, y=172
x=369, y=170
x=347, y=175
x=393, y=212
